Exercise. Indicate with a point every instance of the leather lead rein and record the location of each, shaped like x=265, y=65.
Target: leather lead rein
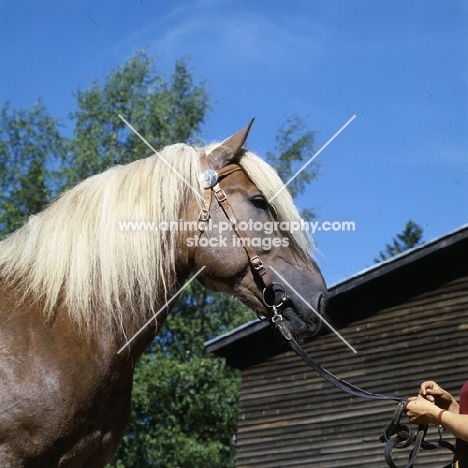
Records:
x=395, y=435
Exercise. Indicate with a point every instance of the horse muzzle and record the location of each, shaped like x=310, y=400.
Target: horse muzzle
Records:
x=303, y=316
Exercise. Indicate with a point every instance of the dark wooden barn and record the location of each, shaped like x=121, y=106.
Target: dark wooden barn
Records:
x=407, y=319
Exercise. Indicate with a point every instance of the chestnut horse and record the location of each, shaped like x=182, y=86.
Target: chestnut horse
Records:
x=79, y=285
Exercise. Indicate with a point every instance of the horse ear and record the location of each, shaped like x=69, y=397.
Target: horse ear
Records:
x=230, y=150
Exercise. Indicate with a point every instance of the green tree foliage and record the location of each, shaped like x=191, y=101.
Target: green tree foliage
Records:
x=30, y=147
x=184, y=404
x=189, y=413
x=162, y=110
x=294, y=149
x=409, y=238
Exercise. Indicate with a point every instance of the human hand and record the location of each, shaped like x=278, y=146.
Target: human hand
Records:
x=432, y=392
x=422, y=411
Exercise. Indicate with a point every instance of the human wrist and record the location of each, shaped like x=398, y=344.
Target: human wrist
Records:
x=434, y=414
x=454, y=406
x=439, y=416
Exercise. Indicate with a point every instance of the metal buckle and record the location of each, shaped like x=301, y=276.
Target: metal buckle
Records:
x=204, y=215
x=222, y=197
x=256, y=262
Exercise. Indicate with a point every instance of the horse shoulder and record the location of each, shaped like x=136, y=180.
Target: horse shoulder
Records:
x=64, y=395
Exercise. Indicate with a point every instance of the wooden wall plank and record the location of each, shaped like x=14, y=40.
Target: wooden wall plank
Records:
x=290, y=417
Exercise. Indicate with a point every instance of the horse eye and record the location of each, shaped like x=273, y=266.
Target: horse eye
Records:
x=259, y=202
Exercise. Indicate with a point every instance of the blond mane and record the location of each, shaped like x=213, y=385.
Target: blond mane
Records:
x=74, y=254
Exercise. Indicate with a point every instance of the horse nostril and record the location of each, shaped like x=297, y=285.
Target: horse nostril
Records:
x=321, y=303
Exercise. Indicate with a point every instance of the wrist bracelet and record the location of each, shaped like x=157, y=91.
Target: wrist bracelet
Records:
x=439, y=416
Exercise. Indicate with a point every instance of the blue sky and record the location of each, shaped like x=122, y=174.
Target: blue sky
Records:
x=401, y=67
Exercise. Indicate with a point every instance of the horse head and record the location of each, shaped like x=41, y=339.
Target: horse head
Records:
x=252, y=241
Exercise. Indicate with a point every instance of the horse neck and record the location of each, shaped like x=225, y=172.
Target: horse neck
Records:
x=139, y=335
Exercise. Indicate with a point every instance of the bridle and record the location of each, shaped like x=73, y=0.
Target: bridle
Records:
x=211, y=180
x=395, y=435
x=211, y=183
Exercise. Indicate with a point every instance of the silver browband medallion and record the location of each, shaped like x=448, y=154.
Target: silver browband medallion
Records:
x=210, y=178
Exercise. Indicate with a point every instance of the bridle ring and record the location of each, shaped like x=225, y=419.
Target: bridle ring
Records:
x=282, y=299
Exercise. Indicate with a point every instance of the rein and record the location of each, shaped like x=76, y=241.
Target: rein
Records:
x=395, y=435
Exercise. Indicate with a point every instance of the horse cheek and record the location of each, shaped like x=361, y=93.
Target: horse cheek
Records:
x=221, y=256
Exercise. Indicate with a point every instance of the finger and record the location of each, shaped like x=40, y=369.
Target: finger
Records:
x=434, y=390
x=428, y=386
x=432, y=398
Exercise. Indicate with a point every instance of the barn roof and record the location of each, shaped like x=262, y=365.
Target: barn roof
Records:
x=377, y=287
